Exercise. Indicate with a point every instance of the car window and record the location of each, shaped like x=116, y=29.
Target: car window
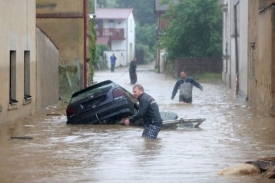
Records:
x=129, y=95
x=92, y=91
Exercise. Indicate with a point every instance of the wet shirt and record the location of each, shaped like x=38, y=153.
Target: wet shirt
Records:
x=185, y=86
x=186, y=89
x=148, y=110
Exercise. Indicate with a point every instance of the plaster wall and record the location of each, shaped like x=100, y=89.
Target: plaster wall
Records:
x=227, y=55
x=235, y=56
x=59, y=6
x=62, y=21
x=120, y=58
x=243, y=49
x=47, y=69
x=17, y=34
x=264, y=64
x=261, y=55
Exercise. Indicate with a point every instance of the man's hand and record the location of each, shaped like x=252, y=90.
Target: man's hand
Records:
x=127, y=122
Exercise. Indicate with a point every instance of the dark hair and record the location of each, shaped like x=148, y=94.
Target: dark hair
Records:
x=140, y=87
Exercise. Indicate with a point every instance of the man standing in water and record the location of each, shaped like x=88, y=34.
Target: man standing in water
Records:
x=132, y=71
x=185, y=85
x=148, y=111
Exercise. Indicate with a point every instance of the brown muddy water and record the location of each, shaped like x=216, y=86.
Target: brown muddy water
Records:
x=234, y=132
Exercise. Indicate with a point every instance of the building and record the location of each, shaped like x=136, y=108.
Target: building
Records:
x=248, y=49
x=66, y=24
x=116, y=27
x=47, y=71
x=21, y=78
x=18, y=59
x=235, y=47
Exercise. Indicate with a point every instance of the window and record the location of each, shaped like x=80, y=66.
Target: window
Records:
x=27, y=76
x=100, y=24
x=111, y=24
x=12, y=96
x=131, y=25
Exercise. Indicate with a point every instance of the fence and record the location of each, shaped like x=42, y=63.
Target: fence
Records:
x=196, y=66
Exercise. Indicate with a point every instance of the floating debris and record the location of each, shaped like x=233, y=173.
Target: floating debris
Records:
x=22, y=137
x=54, y=114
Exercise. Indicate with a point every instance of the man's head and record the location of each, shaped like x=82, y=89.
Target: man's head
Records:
x=135, y=59
x=183, y=75
x=138, y=90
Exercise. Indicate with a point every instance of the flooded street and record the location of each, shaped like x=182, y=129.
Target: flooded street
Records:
x=234, y=132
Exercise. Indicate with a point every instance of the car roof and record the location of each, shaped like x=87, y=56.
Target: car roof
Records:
x=94, y=86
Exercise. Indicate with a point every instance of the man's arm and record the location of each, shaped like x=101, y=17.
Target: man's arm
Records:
x=143, y=107
x=197, y=84
x=175, y=90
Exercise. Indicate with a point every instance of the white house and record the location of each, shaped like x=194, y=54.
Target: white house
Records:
x=116, y=27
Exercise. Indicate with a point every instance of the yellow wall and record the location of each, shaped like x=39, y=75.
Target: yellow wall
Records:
x=62, y=21
x=59, y=6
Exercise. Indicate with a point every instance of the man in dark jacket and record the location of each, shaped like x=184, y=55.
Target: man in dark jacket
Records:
x=185, y=85
x=132, y=71
x=148, y=111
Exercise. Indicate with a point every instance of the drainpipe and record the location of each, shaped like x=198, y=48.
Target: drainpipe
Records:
x=85, y=41
x=236, y=49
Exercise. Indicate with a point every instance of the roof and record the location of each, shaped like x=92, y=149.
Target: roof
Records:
x=113, y=13
x=102, y=40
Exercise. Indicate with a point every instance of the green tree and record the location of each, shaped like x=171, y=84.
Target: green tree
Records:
x=102, y=3
x=195, y=29
x=146, y=34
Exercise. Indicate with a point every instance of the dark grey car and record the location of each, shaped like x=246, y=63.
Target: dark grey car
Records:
x=103, y=103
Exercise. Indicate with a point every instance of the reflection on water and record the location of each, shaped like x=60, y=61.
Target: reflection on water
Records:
x=233, y=133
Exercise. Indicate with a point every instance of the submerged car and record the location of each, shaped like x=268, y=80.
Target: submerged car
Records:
x=103, y=103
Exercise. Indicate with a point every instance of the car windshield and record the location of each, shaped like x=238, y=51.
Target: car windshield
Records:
x=92, y=91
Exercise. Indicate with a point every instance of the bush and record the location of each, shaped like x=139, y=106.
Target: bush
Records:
x=99, y=62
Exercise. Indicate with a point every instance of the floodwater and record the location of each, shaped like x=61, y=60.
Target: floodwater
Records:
x=234, y=132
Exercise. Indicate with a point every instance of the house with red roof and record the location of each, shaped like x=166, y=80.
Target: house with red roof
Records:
x=116, y=27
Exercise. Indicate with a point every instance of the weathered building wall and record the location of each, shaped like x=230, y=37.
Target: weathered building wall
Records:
x=252, y=51
x=17, y=59
x=235, y=46
x=47, y=69
x=243, y=49
x=263, y=66
x=261, y=60
x=228, y=58
x=63, y=23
